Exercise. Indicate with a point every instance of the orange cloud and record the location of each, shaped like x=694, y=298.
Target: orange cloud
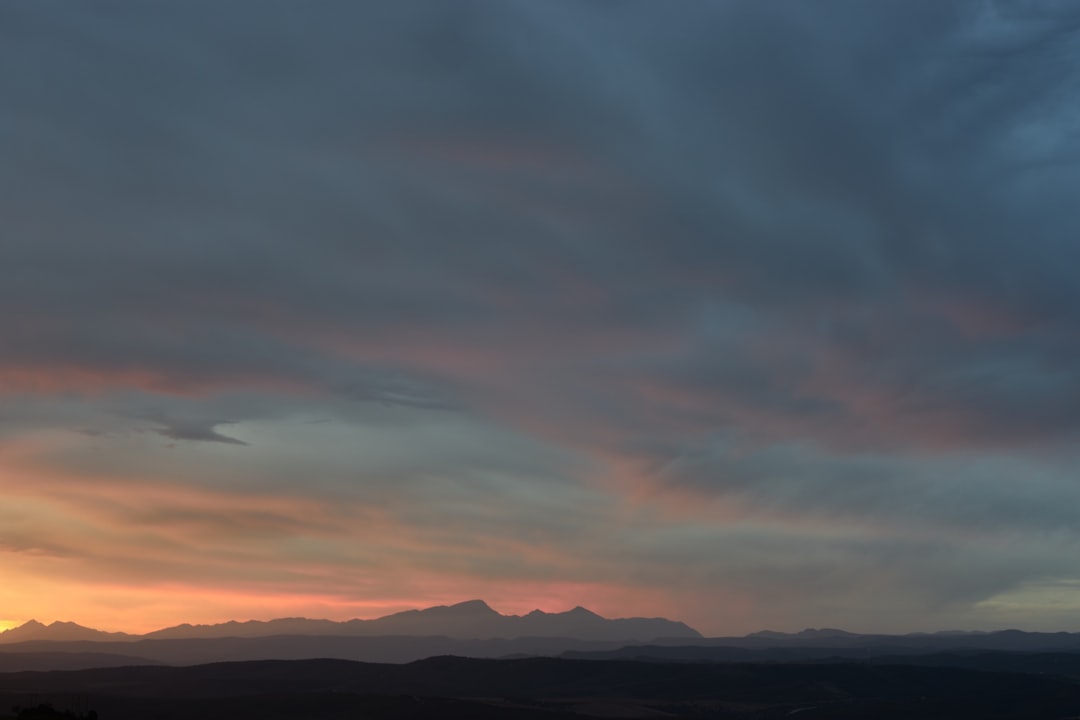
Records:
x=54, y=379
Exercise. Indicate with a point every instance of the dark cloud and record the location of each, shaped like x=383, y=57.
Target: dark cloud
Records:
x=983, y=493
x=221, y=204
x=204, y=433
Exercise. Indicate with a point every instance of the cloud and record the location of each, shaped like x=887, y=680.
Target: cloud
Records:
x=205, y=433
x=806, y=262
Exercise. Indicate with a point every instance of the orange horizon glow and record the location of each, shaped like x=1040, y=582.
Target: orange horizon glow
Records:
x=154, y=608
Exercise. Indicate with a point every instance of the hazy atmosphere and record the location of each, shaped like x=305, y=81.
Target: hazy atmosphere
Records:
x=746, y=314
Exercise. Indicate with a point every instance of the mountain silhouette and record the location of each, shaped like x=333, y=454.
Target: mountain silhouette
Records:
x=57, y=632
x=471, y=620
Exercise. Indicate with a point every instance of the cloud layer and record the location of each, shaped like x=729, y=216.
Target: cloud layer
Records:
x=751, y=315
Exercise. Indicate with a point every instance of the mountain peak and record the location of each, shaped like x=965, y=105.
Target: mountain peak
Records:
x=582, y=612
x=473, y=606
x=770, y=634
x=817, y=633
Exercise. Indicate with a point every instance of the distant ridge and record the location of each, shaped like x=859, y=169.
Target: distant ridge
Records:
x=58, y=632
x=470, y=620
x=807, y=634
x=474, y=629
x=475, y=621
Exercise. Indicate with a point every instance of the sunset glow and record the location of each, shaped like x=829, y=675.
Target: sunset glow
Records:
x=736, y=314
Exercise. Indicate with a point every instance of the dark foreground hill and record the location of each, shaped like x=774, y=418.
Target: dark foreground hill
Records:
x=544, y=688
x=1061, y=663
x=18, y=661
x=199, y=651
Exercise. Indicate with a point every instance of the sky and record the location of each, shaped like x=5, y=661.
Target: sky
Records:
x=747, y=314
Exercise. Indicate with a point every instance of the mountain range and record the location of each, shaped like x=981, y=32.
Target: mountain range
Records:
x=473, y=629
x=471, y=620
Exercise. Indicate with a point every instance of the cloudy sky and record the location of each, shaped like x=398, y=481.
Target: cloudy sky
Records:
x=750, y=314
